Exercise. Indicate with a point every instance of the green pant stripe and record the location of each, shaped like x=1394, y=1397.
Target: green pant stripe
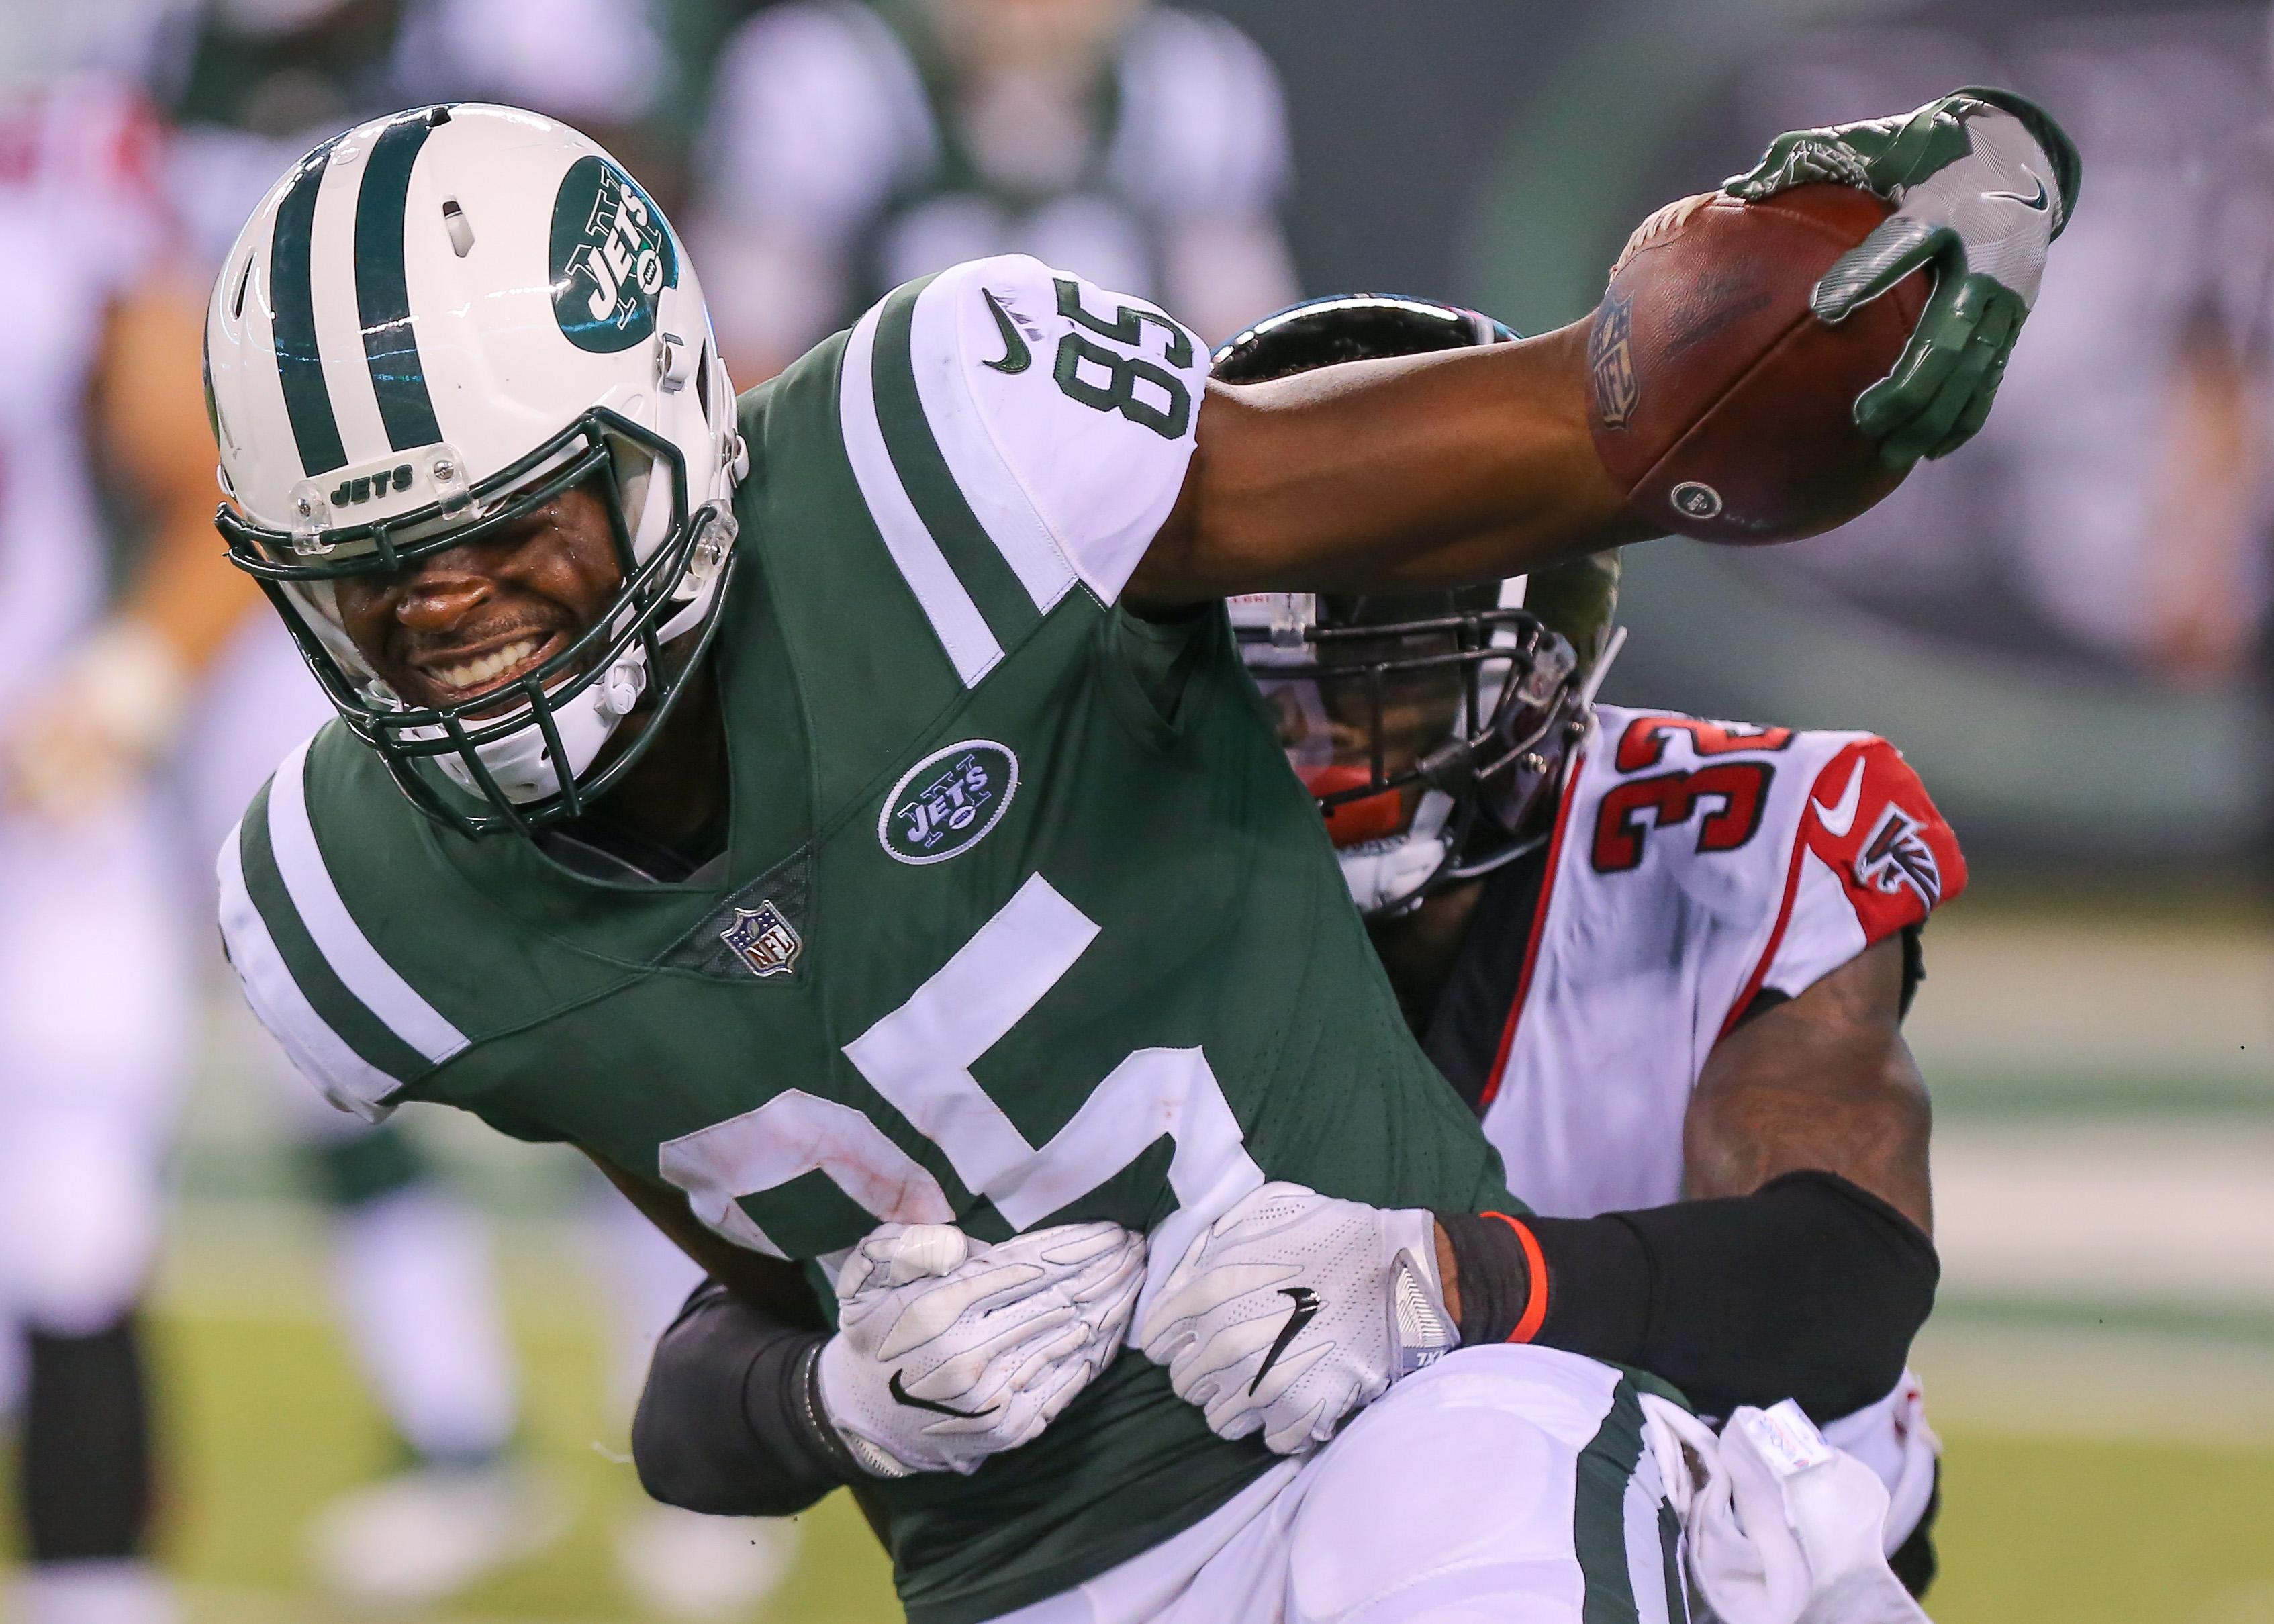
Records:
x=971, y=552
x=1599, y=1526
x=1669, y=1555
x=327, y=996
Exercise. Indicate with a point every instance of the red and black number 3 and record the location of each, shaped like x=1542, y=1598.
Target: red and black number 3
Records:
x=1734, y=794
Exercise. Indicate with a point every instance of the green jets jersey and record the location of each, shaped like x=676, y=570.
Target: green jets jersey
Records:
x=1022, y=918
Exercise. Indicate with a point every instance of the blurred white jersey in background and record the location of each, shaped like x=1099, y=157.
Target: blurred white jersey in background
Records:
x=847, y=153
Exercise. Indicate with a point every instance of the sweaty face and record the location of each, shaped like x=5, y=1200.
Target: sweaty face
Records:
x=457, y=624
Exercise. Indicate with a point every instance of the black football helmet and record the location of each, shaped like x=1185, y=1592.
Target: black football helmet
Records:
x=1427, y=724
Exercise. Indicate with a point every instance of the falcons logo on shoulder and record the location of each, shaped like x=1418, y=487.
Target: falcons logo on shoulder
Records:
x=1897, y=855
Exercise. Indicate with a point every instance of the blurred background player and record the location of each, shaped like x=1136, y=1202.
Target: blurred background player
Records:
x=1659, y=956
x=2209, y=497
x=412, y=1274
x=94, y=965
x=851, y=147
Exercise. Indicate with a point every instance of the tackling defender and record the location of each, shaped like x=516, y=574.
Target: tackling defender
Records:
x=1524, y=859
x=852, y=748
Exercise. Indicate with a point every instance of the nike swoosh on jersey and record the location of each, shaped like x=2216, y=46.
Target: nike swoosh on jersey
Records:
x=2041, y=202
x=1840, y=818
x=1016, y=356
x=1306, y=1305
x=901, y=1395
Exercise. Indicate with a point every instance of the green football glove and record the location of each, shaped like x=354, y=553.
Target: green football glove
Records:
x=1982, y=181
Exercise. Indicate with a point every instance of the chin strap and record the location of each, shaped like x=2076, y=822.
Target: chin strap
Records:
x=1386, y=875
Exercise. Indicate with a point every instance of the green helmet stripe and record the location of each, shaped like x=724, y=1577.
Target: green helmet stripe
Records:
x=390, y=340
x=299, y=367
x=971, y=552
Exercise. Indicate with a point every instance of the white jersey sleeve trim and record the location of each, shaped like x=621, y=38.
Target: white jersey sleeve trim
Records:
x=1038, y=448
x=989, y=485
x=316, y=1051
x=345, y=948
x=971, y=648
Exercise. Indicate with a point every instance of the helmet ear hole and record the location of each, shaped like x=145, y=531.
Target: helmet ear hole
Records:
x=702, y=380
x=244, y=281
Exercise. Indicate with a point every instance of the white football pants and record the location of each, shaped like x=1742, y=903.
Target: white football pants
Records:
x=94, y=1014
x=1500, y=1485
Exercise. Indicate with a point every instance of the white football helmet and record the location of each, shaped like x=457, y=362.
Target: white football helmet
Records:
x=432, y=324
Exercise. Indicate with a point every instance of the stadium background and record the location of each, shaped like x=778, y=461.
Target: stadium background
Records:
x=2099, y=1024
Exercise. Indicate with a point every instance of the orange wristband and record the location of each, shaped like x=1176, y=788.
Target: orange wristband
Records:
x=1535, y=1304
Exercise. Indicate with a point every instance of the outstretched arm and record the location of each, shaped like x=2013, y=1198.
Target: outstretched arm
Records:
x=1392, y=475
x=1478, y=464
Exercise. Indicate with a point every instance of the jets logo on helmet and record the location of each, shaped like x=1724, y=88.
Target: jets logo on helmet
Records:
x=435, y=323
x=611, y=258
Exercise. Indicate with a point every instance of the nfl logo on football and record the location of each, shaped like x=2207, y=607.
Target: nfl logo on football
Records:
x=764, y=939
x=1610, y=363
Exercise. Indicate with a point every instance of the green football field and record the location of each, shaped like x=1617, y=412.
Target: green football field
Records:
x=268, y=1420
x=2101, y=1365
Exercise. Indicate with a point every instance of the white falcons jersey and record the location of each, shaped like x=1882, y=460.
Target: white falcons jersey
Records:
x=76, y=225
x=1694, y=867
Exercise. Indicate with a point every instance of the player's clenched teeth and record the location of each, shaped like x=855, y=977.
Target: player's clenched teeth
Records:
x=469, y=675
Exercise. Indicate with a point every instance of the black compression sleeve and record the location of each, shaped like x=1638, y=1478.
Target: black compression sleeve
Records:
x=1810, y=1289
x=730, y=1421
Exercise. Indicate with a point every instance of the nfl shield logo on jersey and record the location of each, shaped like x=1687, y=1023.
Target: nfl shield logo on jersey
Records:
x=764, y=940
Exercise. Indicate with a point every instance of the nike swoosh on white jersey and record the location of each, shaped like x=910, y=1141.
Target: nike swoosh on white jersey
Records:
x=1838, y=820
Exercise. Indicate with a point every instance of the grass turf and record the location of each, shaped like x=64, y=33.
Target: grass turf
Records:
x=265, y=1419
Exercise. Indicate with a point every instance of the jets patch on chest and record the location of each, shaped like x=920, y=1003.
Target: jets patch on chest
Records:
x=945, y=804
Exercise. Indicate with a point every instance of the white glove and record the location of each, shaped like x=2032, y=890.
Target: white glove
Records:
x=1294, y=1310
x=948, y=1352
x=1892, y=1438
x=1782, y=1527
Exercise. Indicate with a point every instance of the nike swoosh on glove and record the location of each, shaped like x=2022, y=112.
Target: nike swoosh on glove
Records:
x=1294, y=1310
x=1981, y=181
x=948, y=1352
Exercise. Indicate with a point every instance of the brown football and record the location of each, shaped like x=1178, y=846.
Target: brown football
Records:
x=1720, y=403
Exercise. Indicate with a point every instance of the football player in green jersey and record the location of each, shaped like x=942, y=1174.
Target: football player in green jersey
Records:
x=843, y=814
